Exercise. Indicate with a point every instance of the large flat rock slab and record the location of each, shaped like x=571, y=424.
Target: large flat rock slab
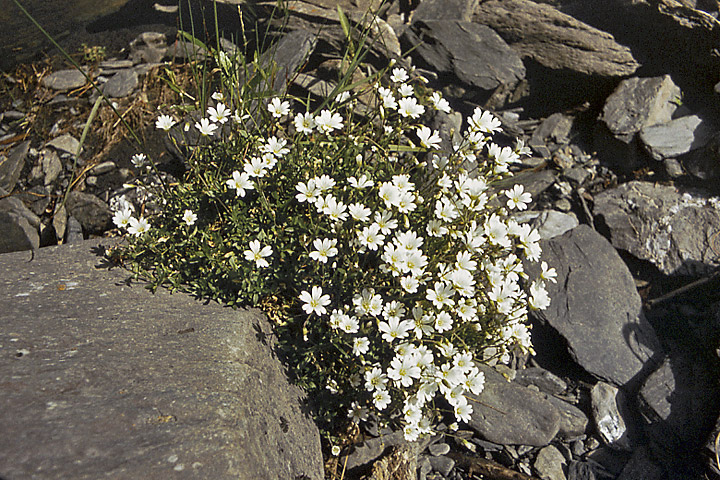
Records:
x=99, y=378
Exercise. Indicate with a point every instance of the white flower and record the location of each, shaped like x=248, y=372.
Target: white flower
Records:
x=375, y=379
x=220, y=113
x=240, y=182
x=362, y=182
x=308, y=192
x=324, y=249
x=403, y=371
x=388, y=98
x=405, y=90
x=189, y=217
x=496, y=231
x=276, y=147
x=122, y=218
x=257, y=254
x=218, y=96
x=304, y=122
x=475, y=381
x=463, y=412
x=539, y=299
x=349, y=324
x=138, y=226
x=138, y=160
x=394, y=309
x=342, y=97
x=368, y=303
x=443, y=322
x=359, y=212
x=385, y=221
x=440, y=295
x=335, y=450
x=518, y=198
x=428, y=138
x=465, y=261
x=164, y=122
x=548, y=274
x=381, y=399
x=324, y=182
x=278, y=108
x=327, y=121
x=371, y=237
x=440, y=103
x=395, y=329
x=205, y=127
x=409, y=283
x=315, y=302
x=357, y=413
x=484, y=122
x=408, y=107
x=399, y=75
x=361, y=345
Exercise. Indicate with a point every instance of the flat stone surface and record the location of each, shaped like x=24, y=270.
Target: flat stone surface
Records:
x=11, y=166
x=595, y=307
x=508, y=413
x=65, y=143
x=64, y=79
x=121, y=84
x=677, y=137
x=92, y=213
x=671, y=228
x=103, y=379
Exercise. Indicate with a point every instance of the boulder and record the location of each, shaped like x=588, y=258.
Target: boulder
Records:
x=102, y=378
x=93, y=214
x=511, y=414
x=595, y=307
x=671, y=228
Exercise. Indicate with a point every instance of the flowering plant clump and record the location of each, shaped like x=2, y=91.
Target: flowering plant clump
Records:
x=390, y=267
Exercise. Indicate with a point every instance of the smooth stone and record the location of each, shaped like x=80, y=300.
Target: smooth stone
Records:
x=549, y=464
x=114, y=381
x=573, y=421
x=93, y=214
x=442, y=465
x=65, y=143
x=51, y=165
x=677, y=137
x=17, y=233
x=103, y=167
x=64, y=80
x=438, y=449
x=121, y=84
x=74, y=232
x=551, y=223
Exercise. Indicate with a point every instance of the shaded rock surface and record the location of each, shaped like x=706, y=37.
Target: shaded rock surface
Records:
x=662, y=225
x=94, y=385
x=594, y=299
x=509, y=413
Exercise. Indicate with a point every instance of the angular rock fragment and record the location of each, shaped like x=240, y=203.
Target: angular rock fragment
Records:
x=609, y=420
x=670, y=228
x=473, y=53
x=94, y=214
x=676, y=137
x=11, y=165
x=595, y=307
x=121, y=84
x=64, y=79
x=510, y=414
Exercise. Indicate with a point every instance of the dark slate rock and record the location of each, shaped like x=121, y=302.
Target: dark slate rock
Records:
x=663, y=225
x=703, y=163
x=105, y=379
x=549, y=464
x=679, y=405
x=16, y=233
x=573, y=421
x=289, y=54
x=184, y=50
x=546, y=381
x=65, y=143
x=93, y=214
x=121, y=84
x=51, y=165
x=148, y=47
x=595, y=307
x=74, y=231
x=556, y=128
x=473, y=53
x=510, y=414
x=677, y=137
x=443, y=465
x=635, y=104
x=12, y=165
x=64, y=80
x=551, y=223
x=444, y=10
x=555, y=40
x=13, y=204
x=642, y=466
x=580, y=471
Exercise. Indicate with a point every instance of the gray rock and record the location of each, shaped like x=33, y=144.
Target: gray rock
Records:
x=510, y=414
x=288, y=54
x=595, y=306
x=14, y=205
x=11, y=166
x=580, y=471
x=105, y=379
x=103, y=167
x=443, y=465
x=59, y=222
x=679, y=407
x=703, y=163
x=74, y=232
x=121, y=84
x=546, y=381
x=675, y=138
x=573, y=421
x=549, y=464
x=662, y=224
x=93, y=214
x=555, y=40
x=551, y=223
x=64, y=80
x=609, y=422
x=474, y=53
x=444, y=10
x=184, y=50
x=637, y=103
x=148, y=47
x=65, y=143
x=17, y=233
x=438, y=449
x=641, y=466
x=555, y=128
x=399, y=464
x=51, y=165
x=371, y=449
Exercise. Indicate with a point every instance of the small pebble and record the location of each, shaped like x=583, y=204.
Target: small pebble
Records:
x=437, y=449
